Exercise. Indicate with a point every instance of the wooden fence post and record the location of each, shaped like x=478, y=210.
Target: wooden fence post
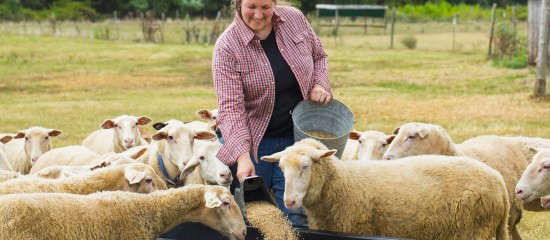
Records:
x=392, y=26
x=542, y=56
x=492, y=29
x=454, y=32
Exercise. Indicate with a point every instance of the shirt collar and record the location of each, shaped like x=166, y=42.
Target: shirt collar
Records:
x=247, y=35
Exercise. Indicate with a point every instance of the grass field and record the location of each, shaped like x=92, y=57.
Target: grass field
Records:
x=74, y=84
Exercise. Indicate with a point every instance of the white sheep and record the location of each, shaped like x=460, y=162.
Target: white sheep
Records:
x=205, y=168
x=51, y=172
x=210, y=116
x=172, y=146
x=136, y=177
x=535, y=180
x=118, y=215
x=508, y=155
x=27, y=146
x=117, y=135
x=424, y=197
x=545, y=202
x=83, y=156
x=4, y=163
x=367, y=145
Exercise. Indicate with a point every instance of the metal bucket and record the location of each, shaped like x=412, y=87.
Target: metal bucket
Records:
x=334, y=118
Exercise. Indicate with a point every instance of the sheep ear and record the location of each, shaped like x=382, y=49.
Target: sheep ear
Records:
x=20, y=134
x=212, y=199
x=533, y=149
x=133, y=153
x=143, y=120
x=353, y=135
x=133, y=176
x=189, y=168
x=423, y=133
x=276, y=157
x=396, y=130
x=204, y=135
x=107, y=124
x=54, y=132
x=204, y=114
x=5, y=138
x=390, y=139
x=318, y=154
x=159, y=126
x=98, y=166
x=159, y=136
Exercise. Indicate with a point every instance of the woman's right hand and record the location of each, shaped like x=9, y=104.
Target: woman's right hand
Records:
x=245, y=167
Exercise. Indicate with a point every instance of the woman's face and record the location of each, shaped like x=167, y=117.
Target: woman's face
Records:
x=257, y=14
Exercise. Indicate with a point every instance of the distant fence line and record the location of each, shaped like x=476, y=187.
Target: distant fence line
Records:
x=149, y=28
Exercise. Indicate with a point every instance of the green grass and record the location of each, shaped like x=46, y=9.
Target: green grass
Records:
x=73, y=84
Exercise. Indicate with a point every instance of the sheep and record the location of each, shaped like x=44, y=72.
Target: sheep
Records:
x=136, y=177
x=367, y=145
x=423, y=197
x=4, y=163
x=118, y=215
x=210, y=171
x=172, y=146
x=51, y=172
x=82, y=156
x=117, y=135
x=535, y=180
x=508, y=155
x=545, y=202
x=210, y=116
x=27, y=146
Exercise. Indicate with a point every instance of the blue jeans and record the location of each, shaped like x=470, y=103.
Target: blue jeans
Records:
x=273, y=176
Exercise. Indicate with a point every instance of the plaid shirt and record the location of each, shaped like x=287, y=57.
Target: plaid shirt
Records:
x=244, y=81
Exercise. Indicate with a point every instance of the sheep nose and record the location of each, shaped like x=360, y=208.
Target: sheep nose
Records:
x=389, y=157
x=33, y=160
x=519, y=193
x=289, y=203
x=226, y=175
x=128, y=140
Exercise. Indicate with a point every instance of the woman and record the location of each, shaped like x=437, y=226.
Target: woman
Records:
x=266, y=62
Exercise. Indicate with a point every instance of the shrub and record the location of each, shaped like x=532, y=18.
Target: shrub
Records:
x=102, y=33
x=409, y=41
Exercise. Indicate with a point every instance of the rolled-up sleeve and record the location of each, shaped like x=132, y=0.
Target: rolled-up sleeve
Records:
x=320, y=64
x=232, y=119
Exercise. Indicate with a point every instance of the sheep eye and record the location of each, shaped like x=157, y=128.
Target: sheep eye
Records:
x=384, y=144
x=47, y=137
x=116, y=125
x=226, y=203
x=214, y=118
x=170, y=138
x=201, y=158
x=26, y=139
x=546, y=167
x=360, y=142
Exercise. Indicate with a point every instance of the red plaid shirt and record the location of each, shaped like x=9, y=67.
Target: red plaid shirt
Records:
x=244, y=81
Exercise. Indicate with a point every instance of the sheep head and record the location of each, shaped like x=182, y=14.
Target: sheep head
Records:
x=222, y=213
x=142, y=178
x=296, y=162
x=413, y=139
x=37, y=141
x=126, y=131
x=535, y=180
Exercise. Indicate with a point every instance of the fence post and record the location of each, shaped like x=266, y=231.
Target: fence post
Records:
x=454, y=32
x=162, y=28
x=492, y=29
x=542, y=56
x=392, y=26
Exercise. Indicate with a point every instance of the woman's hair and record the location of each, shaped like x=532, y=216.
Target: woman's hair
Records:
x=235, y=7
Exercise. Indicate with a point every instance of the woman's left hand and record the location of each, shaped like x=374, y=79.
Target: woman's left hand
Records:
x=319, y=94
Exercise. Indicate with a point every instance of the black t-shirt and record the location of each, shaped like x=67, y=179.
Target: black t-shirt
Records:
x=287, y=90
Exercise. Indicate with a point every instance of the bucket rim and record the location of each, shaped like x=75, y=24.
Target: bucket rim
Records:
x=309, y=100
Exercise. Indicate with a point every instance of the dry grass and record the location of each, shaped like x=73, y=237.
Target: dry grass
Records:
x=74, y=84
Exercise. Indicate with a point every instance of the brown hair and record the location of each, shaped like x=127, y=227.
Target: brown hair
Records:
x=235, y=7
